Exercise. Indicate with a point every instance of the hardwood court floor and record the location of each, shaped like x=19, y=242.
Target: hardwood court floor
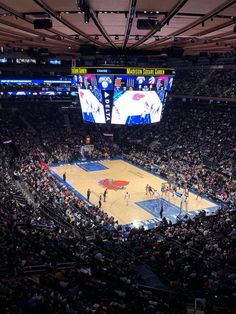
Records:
x=115, y=205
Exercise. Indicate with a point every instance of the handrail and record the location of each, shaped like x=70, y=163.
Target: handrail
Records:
x=60, y=220
x=233, y=100
x=45, y=267
x=195, y=251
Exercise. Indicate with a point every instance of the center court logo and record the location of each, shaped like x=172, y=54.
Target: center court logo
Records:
x=115, y=185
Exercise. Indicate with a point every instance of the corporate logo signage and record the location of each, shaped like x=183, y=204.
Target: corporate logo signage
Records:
x=107, y=97
x=115, y=185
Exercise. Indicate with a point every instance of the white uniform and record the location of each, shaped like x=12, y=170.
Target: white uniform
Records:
x=127, y=197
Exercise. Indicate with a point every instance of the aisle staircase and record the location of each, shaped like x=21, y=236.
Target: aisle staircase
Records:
x=150, y=279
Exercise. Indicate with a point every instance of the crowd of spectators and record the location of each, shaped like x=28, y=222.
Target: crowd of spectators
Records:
x=59, y=229
x=197, y=145
x=205, y=82
x=175, y=255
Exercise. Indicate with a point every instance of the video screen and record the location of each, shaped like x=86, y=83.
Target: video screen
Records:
x=139, y=99
x=134, y=107
x=35, y=87
x=92, y=108
x=92, y=90
x=122, y=99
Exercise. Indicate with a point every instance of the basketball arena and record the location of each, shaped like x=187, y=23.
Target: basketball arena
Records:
x=117, y=157
x=119, y=176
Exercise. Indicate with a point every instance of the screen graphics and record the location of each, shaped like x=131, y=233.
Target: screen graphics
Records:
x=122, y=99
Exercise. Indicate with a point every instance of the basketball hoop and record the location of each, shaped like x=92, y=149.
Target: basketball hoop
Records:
x=86, y=149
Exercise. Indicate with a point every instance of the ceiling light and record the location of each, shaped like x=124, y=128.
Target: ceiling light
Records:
x=96, y=37
x=157, y=12
x=86, y=17
x=116, y=37
x=80, y=4
x=144, y=11
x=157, y=38
x=137, y=37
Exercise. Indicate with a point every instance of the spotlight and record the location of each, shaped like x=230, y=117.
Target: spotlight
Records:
x=86, y=17
x=81, y=4
x=116, y=37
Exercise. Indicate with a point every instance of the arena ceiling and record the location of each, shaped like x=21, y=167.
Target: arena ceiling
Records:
x=194, y=25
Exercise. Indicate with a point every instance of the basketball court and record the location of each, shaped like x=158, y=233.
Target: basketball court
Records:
x=119, y=176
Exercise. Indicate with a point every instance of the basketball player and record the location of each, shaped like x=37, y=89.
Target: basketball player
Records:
x=117, y=112
x=155, y=195
x=127, y=197
x=147, y=189
x=199, y=191
x=64, y=176
x=163, y=189
x=88, y=194
x=145, y=111
x=150, y=190
x=100, y=201
x=174, y=189
x=183, y=203
x=186, y=193
x=167, y=192
x=105, y=195
x=161, y=211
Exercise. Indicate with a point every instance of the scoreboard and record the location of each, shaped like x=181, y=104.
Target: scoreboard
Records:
x=120, y=70
x=122, y=95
